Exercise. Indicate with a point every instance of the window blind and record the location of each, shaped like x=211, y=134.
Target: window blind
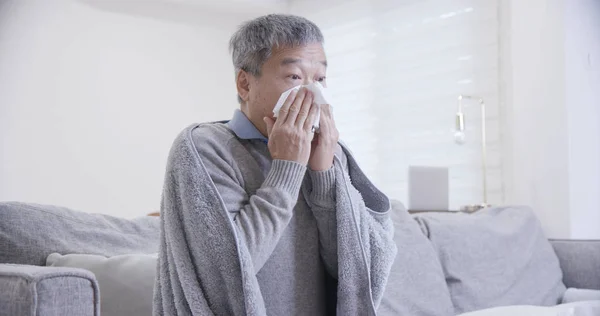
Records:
x=396, y=70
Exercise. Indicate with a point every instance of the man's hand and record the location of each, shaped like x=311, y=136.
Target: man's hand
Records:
x=290, y=135
x=324, y=143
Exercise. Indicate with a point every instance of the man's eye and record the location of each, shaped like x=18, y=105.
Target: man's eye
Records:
x=295, y=77
x=321, y=79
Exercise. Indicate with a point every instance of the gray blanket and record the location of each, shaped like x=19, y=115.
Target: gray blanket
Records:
x=204, y=269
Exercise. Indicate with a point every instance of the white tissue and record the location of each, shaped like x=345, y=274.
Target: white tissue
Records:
x=319, y=95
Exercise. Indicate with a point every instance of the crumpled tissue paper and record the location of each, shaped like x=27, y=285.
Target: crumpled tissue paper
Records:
x=320, y=98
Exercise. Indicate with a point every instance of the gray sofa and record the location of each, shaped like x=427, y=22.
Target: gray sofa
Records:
x=29, y=233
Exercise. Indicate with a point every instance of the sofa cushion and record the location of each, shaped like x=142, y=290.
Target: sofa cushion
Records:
x=30, y=232
x=416, y=285
x=495, y=257
x=588, y=308
x=32, y=290
x=126, y=282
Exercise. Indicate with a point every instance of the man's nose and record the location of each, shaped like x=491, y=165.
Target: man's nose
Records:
x=307, y=82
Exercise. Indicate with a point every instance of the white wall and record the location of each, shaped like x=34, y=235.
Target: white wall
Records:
x=92, y=97
x=582, y=65
x=550, y=113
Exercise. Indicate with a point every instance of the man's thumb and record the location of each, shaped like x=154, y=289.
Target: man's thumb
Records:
x=270, y=122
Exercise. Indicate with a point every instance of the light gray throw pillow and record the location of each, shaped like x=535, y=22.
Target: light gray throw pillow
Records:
x=416, y=285
x=30, y=232
x=126, y=282
x=495, y=257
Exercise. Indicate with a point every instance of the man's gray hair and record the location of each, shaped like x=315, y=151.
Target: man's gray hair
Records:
x=252, y=44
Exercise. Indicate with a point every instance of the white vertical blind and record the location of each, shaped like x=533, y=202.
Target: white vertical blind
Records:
x=396, y=69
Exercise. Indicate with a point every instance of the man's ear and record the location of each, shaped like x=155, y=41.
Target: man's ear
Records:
x=242, y=82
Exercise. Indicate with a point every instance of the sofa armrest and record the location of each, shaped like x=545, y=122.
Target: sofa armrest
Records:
x=579, y=261
x=33, y=290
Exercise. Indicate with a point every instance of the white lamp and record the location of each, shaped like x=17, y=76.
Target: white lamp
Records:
x=459, y=138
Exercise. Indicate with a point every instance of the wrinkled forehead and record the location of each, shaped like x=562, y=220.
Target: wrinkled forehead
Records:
x=311, y=55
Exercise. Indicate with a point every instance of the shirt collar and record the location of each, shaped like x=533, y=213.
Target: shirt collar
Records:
x=243, y=128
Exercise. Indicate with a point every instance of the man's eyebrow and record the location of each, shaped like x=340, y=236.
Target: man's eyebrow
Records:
x=289, y=61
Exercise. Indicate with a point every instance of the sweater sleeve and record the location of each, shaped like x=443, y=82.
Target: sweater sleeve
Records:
x=322, y=201
x=260, y=218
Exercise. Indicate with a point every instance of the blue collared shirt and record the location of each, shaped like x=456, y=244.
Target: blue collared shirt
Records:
x=243, y=128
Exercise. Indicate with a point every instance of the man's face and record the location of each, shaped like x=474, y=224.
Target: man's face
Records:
x=286, y=68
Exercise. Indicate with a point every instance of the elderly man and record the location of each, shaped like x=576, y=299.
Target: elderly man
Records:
x=276, y=176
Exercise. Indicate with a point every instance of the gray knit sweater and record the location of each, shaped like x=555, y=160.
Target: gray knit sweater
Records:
x=288, y=233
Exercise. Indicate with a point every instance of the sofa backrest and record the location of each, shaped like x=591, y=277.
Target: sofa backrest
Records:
x=494, y=257
x=30, y=232
x=579, y=261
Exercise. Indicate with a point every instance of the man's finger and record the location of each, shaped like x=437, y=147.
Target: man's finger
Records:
x=327, y=114
x=307, y=104
x=285, y=108
x=326, y=109
x=311, y=119
x=294, y=108
x=269, y=122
